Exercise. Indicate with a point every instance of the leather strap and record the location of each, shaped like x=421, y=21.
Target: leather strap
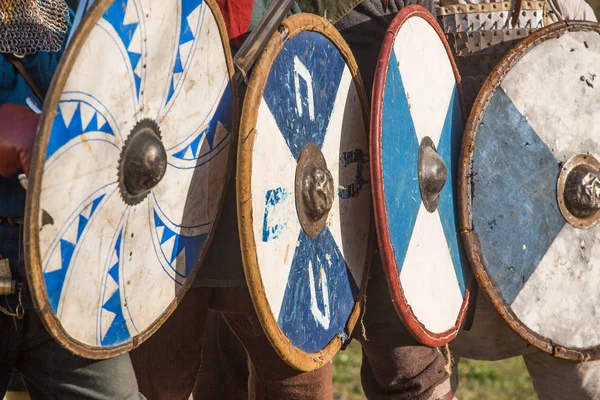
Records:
x=517, y=12
x=16, y=62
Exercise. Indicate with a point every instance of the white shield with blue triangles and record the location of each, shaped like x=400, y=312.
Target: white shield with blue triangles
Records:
x=130, y=171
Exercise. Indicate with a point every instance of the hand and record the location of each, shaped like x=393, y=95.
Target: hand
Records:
x=18, y=128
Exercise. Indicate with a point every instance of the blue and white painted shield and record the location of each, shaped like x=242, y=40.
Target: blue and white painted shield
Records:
x=416, y=101
x=110, y=267
x=537, y=122
x=305, y=285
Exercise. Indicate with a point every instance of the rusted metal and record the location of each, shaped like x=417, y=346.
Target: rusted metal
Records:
x=578, y=191
x=314, y=190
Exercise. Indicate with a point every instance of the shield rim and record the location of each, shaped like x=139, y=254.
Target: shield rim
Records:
x=32, y=252
x=471, y=242
x=403, y=308
x=290, y=27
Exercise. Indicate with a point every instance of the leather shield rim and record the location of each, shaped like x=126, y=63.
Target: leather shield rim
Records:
x=292, y=26
x=32, y=253
x=472, y=245
x=404, y=310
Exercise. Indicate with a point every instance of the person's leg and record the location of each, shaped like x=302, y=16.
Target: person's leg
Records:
x=224, y=367
x=167, y=364
x=270, y=377
x=10, y=331
x=558, y=379
x=394, y=364
x=16, y=388
x=51, y=372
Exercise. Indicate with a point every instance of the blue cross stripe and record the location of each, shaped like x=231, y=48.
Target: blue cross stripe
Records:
x=514, y=208
x=296, y=318
x=400, y=171
x=310, y=66
x=325, y=65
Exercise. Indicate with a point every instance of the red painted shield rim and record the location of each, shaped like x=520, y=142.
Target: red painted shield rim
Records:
x=404, y=310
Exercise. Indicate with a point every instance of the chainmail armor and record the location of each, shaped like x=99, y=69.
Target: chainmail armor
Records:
x=32, y=26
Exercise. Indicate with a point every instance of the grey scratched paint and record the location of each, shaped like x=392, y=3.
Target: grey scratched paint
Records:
x=515, y=213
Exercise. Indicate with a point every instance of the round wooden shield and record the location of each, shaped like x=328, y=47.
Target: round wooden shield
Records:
x=303, y=191
x=129, y=170
x=530, y=189
x=416, y=131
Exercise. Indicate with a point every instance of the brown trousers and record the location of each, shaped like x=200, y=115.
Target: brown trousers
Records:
x=236, y=362
x=227, y=356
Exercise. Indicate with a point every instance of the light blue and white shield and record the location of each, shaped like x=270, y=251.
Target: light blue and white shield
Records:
x=421, y=101
x=311, y=283
x=112, y=266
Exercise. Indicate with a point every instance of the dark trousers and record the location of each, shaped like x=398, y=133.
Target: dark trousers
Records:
x=51, y=372
x=236, y=362
x=395, y=366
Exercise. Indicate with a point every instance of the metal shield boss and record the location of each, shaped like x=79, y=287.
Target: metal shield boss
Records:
x=530, y=199
x=129, y=170
x=303, y=191
x=416, y=131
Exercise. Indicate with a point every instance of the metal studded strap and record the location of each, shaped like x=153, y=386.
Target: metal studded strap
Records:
x=481, y=34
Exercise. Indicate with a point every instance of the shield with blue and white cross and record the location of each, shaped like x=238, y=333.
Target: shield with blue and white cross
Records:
x=130, y=170
x=531, y=189
x=416, y=132
x=303, y=191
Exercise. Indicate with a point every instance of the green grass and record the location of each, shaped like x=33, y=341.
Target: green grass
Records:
x=498, y=380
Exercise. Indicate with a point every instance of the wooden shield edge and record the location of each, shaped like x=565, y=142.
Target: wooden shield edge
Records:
x=470, y=239
x=290, y=27
x=404, y=310
x=35, y=277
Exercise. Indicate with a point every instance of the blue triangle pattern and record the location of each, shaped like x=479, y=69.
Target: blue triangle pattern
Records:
x=96, y=203
x=114, y=272
x=115, y=15
x=192, y=245
x=55, y=280
x=117, y=332
x=114, y=303
x=178, y=66
x=191, y=148
x=93, y=124
x=186, y=34
x=223, y=115
x=61, y=134
x=82, y=224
